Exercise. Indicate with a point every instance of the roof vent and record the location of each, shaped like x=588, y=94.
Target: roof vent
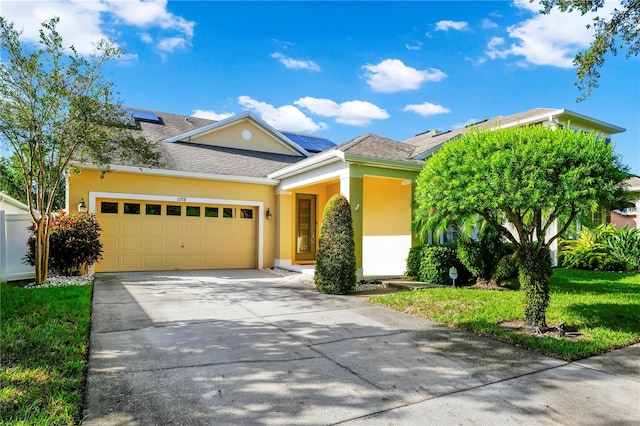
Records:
x=187, y=120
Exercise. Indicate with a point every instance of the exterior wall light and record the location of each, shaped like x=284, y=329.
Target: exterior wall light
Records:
x=268, y=214
x=82, y=207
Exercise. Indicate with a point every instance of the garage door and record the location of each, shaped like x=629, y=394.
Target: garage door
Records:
x=149, y=236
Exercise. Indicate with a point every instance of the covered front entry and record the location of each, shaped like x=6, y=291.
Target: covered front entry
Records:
x=380, y=201
x=146, y=235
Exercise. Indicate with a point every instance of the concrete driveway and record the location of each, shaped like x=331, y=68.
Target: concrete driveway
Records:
x=251, y=348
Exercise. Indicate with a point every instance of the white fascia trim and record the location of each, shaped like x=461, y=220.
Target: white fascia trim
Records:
x=316, y=175
x=565, y=113
x=93, y=196
x=232, y=120
x=307, y=164
x=378, y=162
x=182, y=174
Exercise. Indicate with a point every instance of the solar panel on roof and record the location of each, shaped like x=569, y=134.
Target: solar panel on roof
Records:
x=310, y=143
x=147, y=116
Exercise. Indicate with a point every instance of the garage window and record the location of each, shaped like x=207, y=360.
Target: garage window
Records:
x=193, y=211
x=227, y=212
x=246, y=213
x=174, y=210
x=131, y=208
x=108, y=207
x=153, y=209
x=210, y=212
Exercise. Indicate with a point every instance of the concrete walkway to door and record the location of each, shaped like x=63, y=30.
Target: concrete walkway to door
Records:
x=251, y=348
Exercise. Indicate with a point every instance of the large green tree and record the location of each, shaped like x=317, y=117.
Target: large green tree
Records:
x=530, y=183
x=56, y=107
x=619, y=30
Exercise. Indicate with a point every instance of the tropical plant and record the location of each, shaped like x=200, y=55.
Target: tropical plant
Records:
x=521, y=181
x=604, y=248
x=74, y=243
x=336, y=260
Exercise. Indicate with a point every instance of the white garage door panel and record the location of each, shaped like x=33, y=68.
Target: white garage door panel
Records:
x=138, y=242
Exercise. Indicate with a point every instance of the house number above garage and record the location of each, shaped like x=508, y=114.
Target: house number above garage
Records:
x=181, y=199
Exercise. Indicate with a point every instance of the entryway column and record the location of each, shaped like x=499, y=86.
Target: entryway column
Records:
x=284, y=225
x=351, y=188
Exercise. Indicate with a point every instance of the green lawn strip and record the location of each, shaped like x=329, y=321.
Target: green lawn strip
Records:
x=603, y=306
x=44, y=336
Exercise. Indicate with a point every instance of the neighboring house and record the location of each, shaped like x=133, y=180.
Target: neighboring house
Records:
x=630, y=216
x=15, y=220
x=238, y=193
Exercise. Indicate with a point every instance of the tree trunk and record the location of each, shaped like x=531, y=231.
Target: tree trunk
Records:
x=534, y=269
x=42, y=250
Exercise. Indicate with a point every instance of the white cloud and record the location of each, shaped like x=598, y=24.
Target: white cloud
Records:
x=146, y=38
x=84, y=23
x=552, y=39
x=427, y=109
x=488, y=24
x=296, y=64
x=391, y=75
x=286, y=117
x=170, y=44
x=415, y=46
x=353, y=113
x=451, y=25
x=211, y=115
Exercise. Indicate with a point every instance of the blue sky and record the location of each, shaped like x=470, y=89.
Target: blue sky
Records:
x=341, y=69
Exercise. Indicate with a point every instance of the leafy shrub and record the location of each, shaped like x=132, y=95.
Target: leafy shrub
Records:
x=507, y=266
x=435, y=263
x=489, y=258
x=413, y=261
x=336, y=260
x=604, y=248
x=74, y=243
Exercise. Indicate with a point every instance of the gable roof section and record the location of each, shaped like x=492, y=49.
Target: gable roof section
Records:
x=429, y=142
x=367, y=149
x=294, y=147
x=378, y=147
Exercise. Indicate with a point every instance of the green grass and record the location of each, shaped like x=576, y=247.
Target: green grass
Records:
x=44, y=336
x=603, y=306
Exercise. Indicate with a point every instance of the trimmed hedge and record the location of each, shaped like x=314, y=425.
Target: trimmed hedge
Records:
x=336, y=260
x=431, y=263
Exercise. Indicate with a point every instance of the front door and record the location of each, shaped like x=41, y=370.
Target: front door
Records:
x=305, y=227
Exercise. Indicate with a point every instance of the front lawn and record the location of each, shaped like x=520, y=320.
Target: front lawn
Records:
x=44, y=336
x=603, y=306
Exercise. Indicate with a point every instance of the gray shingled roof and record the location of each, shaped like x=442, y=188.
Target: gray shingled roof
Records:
x=199, y=158
x=374, y=146
x=432, y=139
x=191, y=157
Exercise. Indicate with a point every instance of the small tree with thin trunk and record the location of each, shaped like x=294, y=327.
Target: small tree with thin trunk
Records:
x=521, y=181
x=55, y=107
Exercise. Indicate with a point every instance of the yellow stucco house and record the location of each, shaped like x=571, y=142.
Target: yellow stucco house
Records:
x=238, y=193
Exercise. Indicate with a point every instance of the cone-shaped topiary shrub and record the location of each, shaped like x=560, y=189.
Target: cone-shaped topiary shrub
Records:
x=336, y=259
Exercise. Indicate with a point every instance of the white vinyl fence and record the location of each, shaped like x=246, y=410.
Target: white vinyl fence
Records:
x=14, y=232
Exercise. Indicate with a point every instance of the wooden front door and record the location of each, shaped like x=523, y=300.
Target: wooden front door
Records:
x=305, y=227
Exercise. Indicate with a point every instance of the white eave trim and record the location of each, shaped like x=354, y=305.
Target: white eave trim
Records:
x=567, y=115
x=234, y=119
x=384, y=163
x=307, y=164
x=183, y=174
